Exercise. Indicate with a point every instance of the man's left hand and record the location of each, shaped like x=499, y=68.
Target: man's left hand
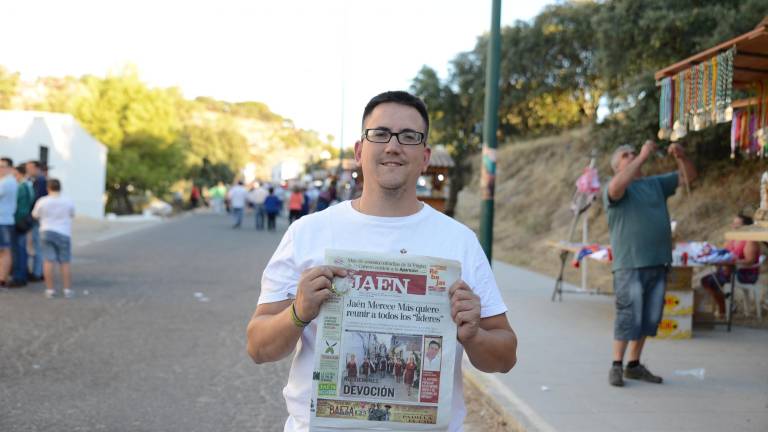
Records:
x=676, y=150
x=465, y=310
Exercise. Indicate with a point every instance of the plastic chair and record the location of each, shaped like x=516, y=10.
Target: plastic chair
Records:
x=755, y=289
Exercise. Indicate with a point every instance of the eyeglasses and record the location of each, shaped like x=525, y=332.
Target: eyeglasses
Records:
x=384, y=135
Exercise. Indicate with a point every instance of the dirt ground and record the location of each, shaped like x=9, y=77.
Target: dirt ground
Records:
x=536, y=181
x=483, y=414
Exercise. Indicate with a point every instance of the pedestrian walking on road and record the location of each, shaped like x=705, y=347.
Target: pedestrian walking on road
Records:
x=641, y=241
x=238, y=196
x=272, y=205
x=257, y=197
x=295, y=204
x=55, y=214
x=388, y=218
x=194, y=197
x=218, y=193
x=8, y=191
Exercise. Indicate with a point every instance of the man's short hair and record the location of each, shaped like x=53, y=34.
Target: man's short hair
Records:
x=8, y=162
x=435, y=343
x=401, y=98
x=22, y=169
x=54, y=185
x=35, y=163
x=617, y=155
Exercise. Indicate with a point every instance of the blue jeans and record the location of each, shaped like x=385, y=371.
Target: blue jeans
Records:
x=258, y=210
x=57, y=247
x=639, y=301
x=19, y=254
x=37, y=262
x=237, y=213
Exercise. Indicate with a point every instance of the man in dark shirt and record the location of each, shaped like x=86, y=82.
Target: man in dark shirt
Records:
x=35, y=174
x=641, y=241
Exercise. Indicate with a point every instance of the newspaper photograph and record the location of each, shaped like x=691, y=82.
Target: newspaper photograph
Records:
x=386, y=344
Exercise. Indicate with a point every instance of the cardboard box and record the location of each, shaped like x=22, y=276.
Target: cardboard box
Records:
x=675, y=327
x=679, y=279
x=678, y=303
x=703, y=307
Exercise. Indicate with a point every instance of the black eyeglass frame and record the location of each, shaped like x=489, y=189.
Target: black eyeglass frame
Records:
x=396, y=135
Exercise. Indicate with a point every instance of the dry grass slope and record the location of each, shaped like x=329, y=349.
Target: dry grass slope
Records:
x=535, y=184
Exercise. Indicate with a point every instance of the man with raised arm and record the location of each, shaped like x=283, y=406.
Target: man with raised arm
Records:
x=641, y=240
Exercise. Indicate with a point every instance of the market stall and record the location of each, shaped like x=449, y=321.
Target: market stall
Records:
x=724, y=84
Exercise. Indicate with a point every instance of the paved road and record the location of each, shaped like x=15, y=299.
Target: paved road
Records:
x=140, y=352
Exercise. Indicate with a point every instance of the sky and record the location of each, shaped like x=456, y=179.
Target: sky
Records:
x=315, y=62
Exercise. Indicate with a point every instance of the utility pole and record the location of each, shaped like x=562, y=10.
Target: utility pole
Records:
x=490, y=124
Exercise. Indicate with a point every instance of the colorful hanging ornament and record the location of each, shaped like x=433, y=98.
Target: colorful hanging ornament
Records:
x=728, y=78
x=679, y=128
x=665, y=109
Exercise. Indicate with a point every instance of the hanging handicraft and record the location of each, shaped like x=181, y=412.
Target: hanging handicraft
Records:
x=697, y=97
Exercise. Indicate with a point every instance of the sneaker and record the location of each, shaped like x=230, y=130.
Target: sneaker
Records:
x=49, y=293
x=641, y=373
x=15, y=284
x=68, y=293
x=614, y=376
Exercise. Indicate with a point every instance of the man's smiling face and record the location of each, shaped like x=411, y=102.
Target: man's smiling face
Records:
x=392, y=166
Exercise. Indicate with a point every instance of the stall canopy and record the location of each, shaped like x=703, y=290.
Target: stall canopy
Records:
x=750, y=62
x=699, y=91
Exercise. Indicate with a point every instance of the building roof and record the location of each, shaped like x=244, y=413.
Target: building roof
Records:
x=441, y=158
x=61, y=127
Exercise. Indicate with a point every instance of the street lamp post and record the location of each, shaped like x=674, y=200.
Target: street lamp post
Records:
x=490, y=124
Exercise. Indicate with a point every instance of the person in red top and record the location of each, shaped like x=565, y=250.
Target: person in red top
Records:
x=410, y=371
x=352, y=367
x=295, y=204
x=398, y=369
x=746, y=253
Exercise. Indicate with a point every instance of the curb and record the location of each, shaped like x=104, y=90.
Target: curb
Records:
x=511, y=407
x=113, y=233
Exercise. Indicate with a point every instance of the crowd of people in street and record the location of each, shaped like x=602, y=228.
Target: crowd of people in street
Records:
x=265, y=201
x=35, y=227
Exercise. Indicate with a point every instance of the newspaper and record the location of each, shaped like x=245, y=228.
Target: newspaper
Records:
x=386, y=344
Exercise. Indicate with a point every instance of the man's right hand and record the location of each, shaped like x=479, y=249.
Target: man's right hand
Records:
x=649, y=148
x=314, y=289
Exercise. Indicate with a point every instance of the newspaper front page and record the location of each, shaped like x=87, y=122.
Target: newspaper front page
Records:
x=386, y=344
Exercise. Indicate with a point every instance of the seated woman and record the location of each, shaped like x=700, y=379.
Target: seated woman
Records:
x=746, y=253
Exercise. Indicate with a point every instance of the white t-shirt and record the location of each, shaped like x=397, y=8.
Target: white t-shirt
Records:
x=55, y=213
x=258, y=196
x=237, y=196
x=434, y=364
x=426, y=233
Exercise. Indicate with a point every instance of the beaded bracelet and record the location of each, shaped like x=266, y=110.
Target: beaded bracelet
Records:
x=296, y=320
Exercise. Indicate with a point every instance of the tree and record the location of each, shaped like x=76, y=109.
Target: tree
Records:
x=140, y=126
x=9, y=83
x=453, y=121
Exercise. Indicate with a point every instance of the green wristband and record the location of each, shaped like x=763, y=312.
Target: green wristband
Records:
x=295, y=317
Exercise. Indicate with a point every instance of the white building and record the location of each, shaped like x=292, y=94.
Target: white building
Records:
x=76, y=158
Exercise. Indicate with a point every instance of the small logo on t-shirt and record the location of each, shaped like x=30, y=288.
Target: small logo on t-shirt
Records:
x=403, y=251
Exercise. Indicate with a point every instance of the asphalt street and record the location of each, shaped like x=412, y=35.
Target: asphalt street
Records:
x=153, y=341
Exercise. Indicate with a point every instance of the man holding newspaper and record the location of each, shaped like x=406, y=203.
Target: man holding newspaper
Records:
x=387, y=219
